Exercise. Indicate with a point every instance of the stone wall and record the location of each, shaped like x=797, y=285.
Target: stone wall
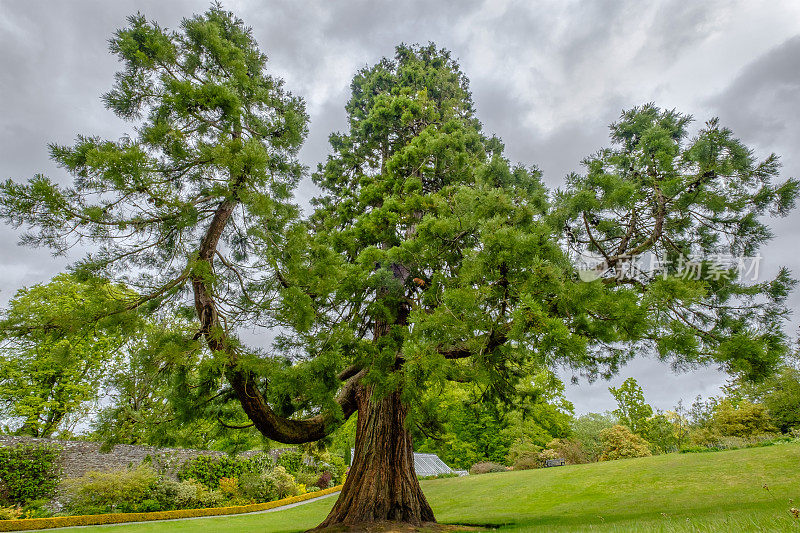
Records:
x=79, y=457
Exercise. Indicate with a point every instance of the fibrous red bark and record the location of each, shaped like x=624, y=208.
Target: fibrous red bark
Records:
x=382, y=484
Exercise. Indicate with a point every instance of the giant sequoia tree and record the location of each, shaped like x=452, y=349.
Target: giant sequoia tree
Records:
x=428, y=258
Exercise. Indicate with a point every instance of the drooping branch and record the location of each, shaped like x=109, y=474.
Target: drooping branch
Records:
x=255, y=406
x=463, y=350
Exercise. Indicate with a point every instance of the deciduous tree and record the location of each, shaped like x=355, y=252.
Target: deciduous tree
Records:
x=55, y=353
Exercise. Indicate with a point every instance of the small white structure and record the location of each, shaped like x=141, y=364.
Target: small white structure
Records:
x=428, y=464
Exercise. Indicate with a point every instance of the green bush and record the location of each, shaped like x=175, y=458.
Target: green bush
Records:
x=743, y=420
x=209, y=470
x=307, y=478
x=284, y=482
x=193, y=495
x=258, y=486
x=336, y=466
x=522, y=451
x=129, y=490
x=486, y=468
x=28, y=473
x=531, y=461
x=268, y=486
x=292, y=461
x=586, y=430
x=572, y=451
x=620, y=443
x=261, y=462
x=229, y=486
x=10, y=513
x=660, y=433
x=710, y=442
x=527, y=462
x=138, y=490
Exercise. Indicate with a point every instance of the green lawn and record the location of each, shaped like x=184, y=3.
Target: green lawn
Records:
x=720, y=491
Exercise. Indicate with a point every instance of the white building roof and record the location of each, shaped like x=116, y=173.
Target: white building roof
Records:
x=429, y=464
x=426, y=464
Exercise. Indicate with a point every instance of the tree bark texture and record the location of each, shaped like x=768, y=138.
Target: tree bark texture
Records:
x=382, y=484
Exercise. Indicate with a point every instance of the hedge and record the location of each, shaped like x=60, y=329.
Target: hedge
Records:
x=118, y=518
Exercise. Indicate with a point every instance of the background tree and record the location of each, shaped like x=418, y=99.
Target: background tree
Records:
x=54, y=355
x=680, y=422
x=428, y=259
x=468, y=430
x=779, y=394
x=586, y=430
x=632, y=410
x=143, y=394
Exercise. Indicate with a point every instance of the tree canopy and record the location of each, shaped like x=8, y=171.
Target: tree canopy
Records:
x=429, y=258
x=55, y=355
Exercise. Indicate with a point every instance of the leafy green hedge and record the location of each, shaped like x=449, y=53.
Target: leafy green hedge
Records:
x=28, y=472
x=118, y=518
x=209, y=470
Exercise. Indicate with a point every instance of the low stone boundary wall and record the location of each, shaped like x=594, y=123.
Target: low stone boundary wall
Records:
x=79, y=457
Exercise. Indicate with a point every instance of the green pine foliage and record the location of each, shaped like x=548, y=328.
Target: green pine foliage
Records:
x=661, y=194
x=429, y=258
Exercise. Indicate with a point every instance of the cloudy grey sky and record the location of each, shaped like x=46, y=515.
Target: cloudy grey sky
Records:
x=547, y=76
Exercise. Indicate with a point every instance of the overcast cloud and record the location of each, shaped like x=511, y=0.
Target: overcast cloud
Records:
x=547, y=77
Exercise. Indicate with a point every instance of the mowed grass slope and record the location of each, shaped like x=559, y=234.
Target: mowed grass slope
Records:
x=721, y=491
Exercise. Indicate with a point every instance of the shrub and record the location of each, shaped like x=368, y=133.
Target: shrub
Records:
x=10, y=513
x=261, y=462
x=292, y=461
x=743, y=420
x=571, y=450
x=209, y=470
x=116, y=490
x=229, y=486
x=620, y=443
x=284, y=482
x=486, y=468
x=710, y=442
x=306, y=477
x=135, y=490
x=527, y=462
x=586, y=430
x=28, y=472
x=700, y=437
x=522, y=450
x=324, y=480
x=36, y=509
x=548, y=454
x=268, y=486
x=258, y=486
x=660, y=433
x=193, y=495
x=336, y=466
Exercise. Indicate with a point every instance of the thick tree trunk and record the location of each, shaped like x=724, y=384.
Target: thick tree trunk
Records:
x=382, y=484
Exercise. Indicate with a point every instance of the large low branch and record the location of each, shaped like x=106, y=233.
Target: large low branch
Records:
x=462, y=351
x=255, y=406
x=287, y=430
